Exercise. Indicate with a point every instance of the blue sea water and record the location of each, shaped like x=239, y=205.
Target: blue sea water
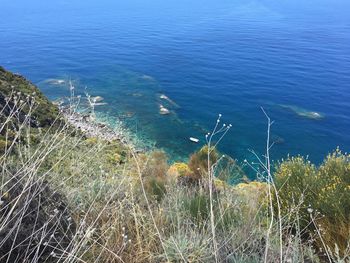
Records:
x=290, y=57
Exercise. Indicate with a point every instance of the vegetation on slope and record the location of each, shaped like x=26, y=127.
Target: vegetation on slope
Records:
x=68, y=198
x=18, y=88
x=319, y=198
x=22, y=102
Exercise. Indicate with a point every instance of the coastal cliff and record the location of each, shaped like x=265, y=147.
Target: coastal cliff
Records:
x=82, y=193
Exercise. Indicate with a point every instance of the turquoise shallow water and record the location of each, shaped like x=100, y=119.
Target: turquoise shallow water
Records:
x=209, y=57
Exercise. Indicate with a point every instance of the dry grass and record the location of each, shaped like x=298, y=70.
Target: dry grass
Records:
x=66, y=198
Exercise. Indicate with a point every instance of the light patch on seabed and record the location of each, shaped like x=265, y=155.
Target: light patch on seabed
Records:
x=303, y=112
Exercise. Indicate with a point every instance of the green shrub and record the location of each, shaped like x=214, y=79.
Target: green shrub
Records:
x=294, y=180
x=198, y=163
x=319, y=193
x=154, y=174
x=156, y=188
x=197, y=207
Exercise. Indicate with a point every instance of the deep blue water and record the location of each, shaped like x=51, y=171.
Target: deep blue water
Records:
x=209, y=57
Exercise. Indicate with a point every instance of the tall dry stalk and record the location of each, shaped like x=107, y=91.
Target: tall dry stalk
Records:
x=221, y=132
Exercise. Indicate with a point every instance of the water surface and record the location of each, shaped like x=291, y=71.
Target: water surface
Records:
x=209, y=57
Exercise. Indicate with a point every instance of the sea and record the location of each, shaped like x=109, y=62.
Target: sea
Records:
x=197, y=59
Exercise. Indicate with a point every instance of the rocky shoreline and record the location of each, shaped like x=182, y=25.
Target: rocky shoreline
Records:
x=88, y=125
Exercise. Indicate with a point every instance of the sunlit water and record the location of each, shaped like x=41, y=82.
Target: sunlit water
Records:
x=207, y=57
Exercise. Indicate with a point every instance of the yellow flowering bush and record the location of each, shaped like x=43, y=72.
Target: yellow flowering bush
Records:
x=179, y=170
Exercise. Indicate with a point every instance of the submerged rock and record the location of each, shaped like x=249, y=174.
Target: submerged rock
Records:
x=55, y=81
x=303, y=112
x=277, y=139
x=147, y=77
x=164, y=97
x=163, y=110
x=97, y=99
x=137, y=94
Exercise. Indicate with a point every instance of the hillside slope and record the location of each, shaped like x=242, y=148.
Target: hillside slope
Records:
x=13, y=85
